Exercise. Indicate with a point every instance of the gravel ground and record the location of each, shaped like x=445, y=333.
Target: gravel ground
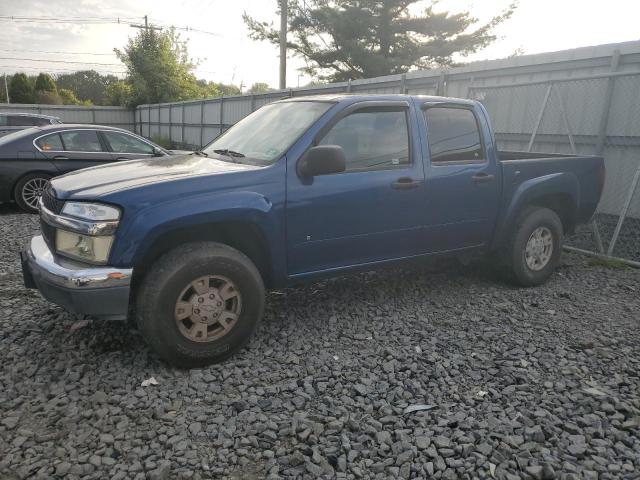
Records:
x=627, y=246
x=539, y=383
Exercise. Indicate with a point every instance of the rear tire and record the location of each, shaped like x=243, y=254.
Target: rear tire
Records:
x=29, y=189
x=535, y=246
x=200, y=303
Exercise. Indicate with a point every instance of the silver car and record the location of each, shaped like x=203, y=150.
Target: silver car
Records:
x=12, y=122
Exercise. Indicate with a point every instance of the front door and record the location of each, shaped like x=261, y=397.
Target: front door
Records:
x=462, y=190
x=370, y=212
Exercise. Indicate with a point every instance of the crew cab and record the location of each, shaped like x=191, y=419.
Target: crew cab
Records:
x=301, y=189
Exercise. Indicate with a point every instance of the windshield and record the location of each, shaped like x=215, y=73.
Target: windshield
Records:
x=267, y=133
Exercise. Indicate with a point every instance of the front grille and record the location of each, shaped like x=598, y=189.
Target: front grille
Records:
x=50, y=201
x=49, y=234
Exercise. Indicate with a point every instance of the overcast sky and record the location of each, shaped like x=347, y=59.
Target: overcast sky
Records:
x=537, y=26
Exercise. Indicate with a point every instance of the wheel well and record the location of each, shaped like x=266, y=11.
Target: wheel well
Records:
x=563, y=205
x=243, y=236
x=15, y=184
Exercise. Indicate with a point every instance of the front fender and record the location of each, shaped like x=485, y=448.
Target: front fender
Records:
x=532, y=191
x=153, y=221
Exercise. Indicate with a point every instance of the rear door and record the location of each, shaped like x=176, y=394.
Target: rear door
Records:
x=462, y=190
x=127, y=147
x=81, y=148
x=372, y=211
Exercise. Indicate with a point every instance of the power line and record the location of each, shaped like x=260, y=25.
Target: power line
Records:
x=60, y=61
x=57, y=52
x=39, y=69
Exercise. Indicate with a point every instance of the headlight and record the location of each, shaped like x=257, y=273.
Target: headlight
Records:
x=91, y=211
x=83, y=247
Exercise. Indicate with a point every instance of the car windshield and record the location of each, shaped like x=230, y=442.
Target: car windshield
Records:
x=262, y=137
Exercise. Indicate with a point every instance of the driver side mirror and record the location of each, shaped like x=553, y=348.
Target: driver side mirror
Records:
x=322, y=160
x=157, y=153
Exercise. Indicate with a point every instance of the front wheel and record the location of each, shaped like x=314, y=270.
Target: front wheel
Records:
x=200, y=303
x=29, y=189
x=535, y=246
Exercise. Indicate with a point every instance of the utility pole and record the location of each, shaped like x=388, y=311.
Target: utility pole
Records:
x=6, y=88
x=145, y=26
x=283, y=44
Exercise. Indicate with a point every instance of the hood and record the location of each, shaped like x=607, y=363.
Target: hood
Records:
x=98, y=181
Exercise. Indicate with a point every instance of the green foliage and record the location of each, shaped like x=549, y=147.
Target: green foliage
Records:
x=164, y=142
x=159, y=68
x=87, y=85
x=228, y=90
x=259, y=87
x=44, y=83
x=69, y=98
x=21, y=89
x=351, y=39
x=47, y=98
x=119, y=93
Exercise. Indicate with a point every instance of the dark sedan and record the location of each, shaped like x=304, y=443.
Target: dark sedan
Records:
x=29, y=158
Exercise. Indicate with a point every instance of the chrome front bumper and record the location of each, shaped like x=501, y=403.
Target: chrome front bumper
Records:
x=96, y=291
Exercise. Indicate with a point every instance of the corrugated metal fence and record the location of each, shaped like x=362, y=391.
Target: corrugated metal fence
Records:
x=113, y=116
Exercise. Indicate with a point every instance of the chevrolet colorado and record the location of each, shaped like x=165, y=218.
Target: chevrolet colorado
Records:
x=301, y=189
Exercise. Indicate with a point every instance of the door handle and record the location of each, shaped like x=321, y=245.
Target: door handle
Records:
x=60, y=157
x=119, y=159
x=483, y=177
x=405, y=183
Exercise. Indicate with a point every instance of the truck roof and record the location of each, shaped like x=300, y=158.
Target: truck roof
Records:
x=359, y=97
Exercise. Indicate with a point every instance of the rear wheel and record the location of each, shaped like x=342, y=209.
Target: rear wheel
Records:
x=200, y=303
x=535, y=246
x=29, y=189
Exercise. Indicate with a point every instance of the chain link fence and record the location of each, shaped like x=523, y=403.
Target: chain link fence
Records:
x=592, y=115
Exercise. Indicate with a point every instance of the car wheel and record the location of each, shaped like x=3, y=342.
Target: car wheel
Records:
x=535, y=246
x=200, y=303
x=29, y=189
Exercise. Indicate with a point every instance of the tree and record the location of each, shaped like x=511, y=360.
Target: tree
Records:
x=21, y=89
x=44, y=83
x=67, y=97
x=350, y=39
x=158, y=67
x=259, y=87
x=119, y=93
x=87, y=85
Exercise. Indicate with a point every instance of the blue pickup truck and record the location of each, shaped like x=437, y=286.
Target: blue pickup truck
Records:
x=301, y=189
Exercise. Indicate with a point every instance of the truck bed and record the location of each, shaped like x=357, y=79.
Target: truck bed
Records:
x=585, y=173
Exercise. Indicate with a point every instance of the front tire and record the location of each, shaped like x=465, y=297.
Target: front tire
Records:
x=535, y=246
x=200, y=303
x=29, y=189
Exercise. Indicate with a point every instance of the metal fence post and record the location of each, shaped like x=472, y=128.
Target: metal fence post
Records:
x=221, y=115
x=565, y=120
x=93, y=115
x=540, y=115
x=253, y=103
x=202, y=124
x=606, y=109
x=182, y=105
x=149, y=121
x=171, y=123
x=349, y=86
x=403, y=84
x=623, y=213
x=441, y=89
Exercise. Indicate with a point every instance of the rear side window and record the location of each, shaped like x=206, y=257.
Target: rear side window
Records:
x=372, y=138
x=26, y=121
x=81, y=141
x=123, y=143
x=3, y=120
x=453, y=135
x=50, y=143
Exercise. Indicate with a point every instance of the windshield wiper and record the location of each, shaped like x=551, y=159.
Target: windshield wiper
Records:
x=229, y=153
x=200, y=153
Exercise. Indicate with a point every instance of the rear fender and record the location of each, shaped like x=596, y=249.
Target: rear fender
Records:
x=532, y=192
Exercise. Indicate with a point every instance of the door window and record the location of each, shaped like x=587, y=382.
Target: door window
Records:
x=372, y=138
x=3, y=120
x=81, y=141
x=50, y=143
x=453, y=135
x=123, y=143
